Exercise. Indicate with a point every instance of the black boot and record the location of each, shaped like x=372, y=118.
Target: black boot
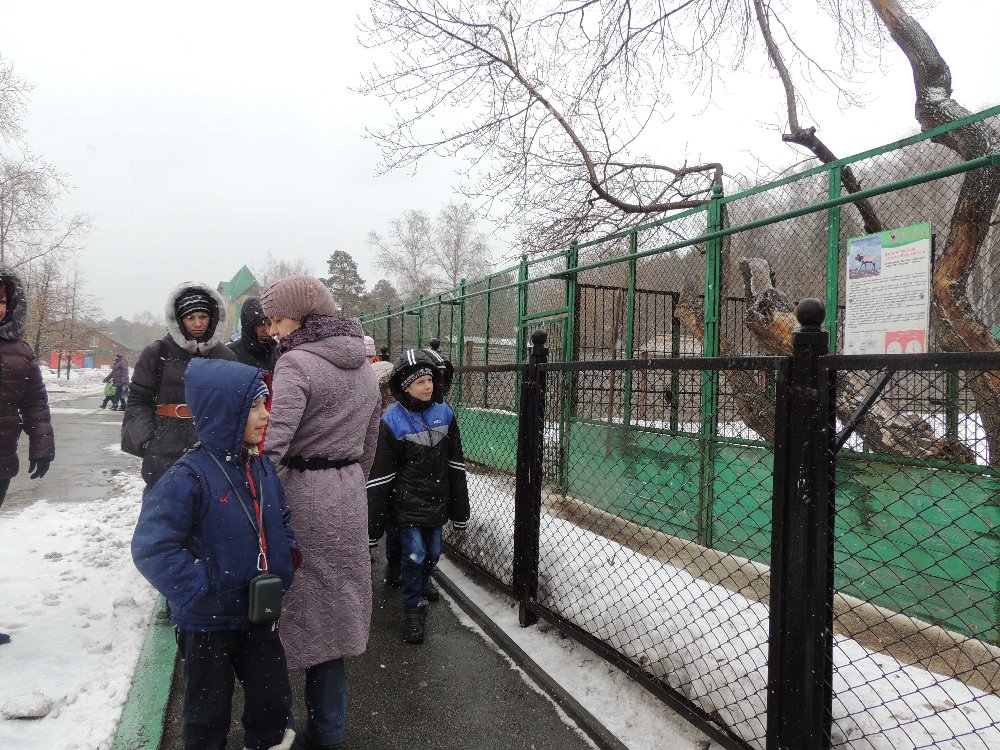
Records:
x=413, y=625
x=4, y=638
x=431, y=593
x=393, y=578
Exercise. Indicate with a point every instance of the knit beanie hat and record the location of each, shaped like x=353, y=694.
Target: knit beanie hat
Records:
x=413, y=375
x=193, y=300
x=370, y=347
x=262, y=391
x=296, y=297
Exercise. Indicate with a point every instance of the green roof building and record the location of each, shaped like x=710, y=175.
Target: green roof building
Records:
x=235, y=292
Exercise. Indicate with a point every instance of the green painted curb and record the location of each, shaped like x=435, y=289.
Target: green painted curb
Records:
x=141, y=725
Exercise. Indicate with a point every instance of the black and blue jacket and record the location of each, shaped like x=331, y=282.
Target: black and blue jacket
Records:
x=193, y=540
x=418, y=478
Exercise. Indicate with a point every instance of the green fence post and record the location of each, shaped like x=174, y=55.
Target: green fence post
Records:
x=388, y=329
x=486, y=339
x=460, y=353
x=420, y=321
x=522, y=306
x=567, y=403
x=833, y=261
x=629, y=352
x=710, y=378
x=440, y=304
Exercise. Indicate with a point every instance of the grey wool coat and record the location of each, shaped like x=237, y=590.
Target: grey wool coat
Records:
x=326, y=405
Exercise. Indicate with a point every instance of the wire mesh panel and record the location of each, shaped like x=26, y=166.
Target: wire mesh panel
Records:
x=917, y=555
x=655, y=534
x=489, y=441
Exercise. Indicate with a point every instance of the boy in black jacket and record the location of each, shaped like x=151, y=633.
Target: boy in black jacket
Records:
x=417, y=482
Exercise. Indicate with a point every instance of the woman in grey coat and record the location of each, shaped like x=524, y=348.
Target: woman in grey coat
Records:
x=322, y=434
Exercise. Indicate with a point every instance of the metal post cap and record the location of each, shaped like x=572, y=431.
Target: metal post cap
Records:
x=810, y=312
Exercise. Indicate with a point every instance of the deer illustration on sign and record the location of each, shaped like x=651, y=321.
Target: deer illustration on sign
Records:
x=865, y=260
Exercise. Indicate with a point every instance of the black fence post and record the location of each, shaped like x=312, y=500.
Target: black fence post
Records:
x=799, y=690
x=528, y=485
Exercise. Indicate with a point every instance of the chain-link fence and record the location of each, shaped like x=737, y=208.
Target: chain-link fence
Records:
x=916, y=560
x=653, y=536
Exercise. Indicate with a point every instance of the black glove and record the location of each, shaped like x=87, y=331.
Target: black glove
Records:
x=38, y=467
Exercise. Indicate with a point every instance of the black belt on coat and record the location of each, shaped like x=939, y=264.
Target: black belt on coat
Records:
x=315, y=464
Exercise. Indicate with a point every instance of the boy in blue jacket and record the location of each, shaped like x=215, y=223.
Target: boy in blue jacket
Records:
x=417, y=482
x=215, y=520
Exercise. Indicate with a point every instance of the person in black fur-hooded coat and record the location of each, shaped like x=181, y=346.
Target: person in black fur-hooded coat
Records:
x=157, y=424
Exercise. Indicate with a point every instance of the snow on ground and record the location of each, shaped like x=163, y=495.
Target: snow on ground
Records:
x=82, y=382
x=77, y=611
x=627, y=710
x=711, y=644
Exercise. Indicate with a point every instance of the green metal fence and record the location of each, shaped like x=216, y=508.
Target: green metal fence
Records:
x=630, y=296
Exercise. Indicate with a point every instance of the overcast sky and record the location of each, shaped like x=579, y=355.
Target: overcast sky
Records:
x=201, y=136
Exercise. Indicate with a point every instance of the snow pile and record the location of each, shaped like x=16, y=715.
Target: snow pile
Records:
x=82, y=382
x=77, y=611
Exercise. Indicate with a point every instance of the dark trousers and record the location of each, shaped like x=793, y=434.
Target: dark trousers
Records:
x=393, y=545
x=211, y=660
x=4, y=486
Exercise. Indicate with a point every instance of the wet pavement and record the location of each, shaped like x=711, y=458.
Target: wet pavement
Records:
x=79, y=474
x=453, y=692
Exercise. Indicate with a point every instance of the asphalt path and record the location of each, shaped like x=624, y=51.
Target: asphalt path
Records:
x=86, y=458
x=456, y=691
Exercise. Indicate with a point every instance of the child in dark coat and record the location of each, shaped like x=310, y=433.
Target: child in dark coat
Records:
x=418, y=482
x=216, y=519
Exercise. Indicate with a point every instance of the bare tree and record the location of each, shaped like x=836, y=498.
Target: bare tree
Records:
x=272, y=269
x=460, y=250
x=556, y=93
x=13, y=97
x=405, y=253
x=31, y=226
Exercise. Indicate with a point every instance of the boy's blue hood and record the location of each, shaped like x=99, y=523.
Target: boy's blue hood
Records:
x=220, y=394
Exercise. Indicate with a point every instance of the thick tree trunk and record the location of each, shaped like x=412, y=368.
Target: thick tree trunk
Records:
x=957, y=327
x=752, y=402
x=771, y=319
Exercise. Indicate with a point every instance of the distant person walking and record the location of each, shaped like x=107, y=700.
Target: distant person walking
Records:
x=255, y=347
x=24, y=402
x=118, y=377
x=157, y=424
x=323, y=432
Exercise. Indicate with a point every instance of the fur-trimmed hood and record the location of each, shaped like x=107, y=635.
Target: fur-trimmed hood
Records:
x=216, y=328
x=13, y=325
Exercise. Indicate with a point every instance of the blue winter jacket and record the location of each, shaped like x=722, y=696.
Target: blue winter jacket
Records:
x=193, y=541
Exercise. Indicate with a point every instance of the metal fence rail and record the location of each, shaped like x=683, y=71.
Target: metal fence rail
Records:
x=754, y=566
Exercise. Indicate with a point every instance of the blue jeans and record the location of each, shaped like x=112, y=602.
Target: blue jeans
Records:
x=421, y=552
x=326, y=702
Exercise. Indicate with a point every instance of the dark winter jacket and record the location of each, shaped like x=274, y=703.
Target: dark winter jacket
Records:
x=418, y=478
x=119, y=372
x=24, y=403
x=248, y=349
x=157, y=379
x=193, y=540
